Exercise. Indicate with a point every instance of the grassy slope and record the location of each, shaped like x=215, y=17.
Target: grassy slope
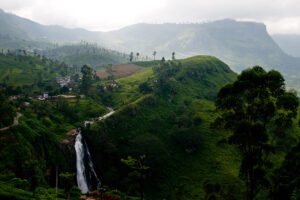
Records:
x=211, y=161
x=129, y=91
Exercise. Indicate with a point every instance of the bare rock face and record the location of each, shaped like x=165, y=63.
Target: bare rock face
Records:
x=69, y=140
x=67, y=149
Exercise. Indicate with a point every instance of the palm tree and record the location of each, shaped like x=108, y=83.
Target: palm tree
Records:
x=131, y=57
x=173, y=56
x=137, y=55
x=154, y=54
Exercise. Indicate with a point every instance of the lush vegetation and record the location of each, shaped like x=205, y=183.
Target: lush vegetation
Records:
x=169, y=124
x=165, y=116
x=19, y=68
x=258, y=110
x=39, y=144
x=166, y=139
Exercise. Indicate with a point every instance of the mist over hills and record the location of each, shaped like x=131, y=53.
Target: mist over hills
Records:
x=290, y=43
x=15, y=27
x=239, y=44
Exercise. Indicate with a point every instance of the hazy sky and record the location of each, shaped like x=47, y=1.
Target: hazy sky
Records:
x=280, y=16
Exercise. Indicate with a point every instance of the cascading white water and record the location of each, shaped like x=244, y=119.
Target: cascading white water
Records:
x=91, y=166
x=83, y=157
x=80, y=165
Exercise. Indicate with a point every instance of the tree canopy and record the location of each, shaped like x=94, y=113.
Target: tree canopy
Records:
x=256, y=101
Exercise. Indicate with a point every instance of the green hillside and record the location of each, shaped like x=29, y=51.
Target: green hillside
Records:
x=22, y=70
x=148, y=121
x=31, y=152
x=165, y=112
x=170, y=125
x=85, y=53
x=164, y=119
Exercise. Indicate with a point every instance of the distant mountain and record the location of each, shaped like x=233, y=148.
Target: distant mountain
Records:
x=239, y=44
x=19, y=33
x=15, y=27
x=290, y=43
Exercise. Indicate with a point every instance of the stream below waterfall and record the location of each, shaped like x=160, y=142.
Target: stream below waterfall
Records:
x=85, y=172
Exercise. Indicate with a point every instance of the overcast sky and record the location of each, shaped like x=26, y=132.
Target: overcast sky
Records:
x=280, y=16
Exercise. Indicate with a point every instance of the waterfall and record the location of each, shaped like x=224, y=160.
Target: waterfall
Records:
x=84, y=165
x=91, y=166
x=80, y=165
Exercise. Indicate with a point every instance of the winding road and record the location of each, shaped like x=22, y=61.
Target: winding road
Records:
x=16, y=122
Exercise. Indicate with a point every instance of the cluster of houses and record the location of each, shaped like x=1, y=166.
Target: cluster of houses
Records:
x=110, y=86
x=45, y=96
x=63, y=81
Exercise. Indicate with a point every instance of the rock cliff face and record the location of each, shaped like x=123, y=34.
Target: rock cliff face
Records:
x=67, y=149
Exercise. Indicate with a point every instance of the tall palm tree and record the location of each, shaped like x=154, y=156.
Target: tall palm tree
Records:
x=154, y=54
x=173, y=56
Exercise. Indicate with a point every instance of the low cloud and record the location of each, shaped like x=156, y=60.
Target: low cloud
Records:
x=279, y=16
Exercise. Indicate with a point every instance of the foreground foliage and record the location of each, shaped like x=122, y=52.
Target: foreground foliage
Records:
x=258, y=110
